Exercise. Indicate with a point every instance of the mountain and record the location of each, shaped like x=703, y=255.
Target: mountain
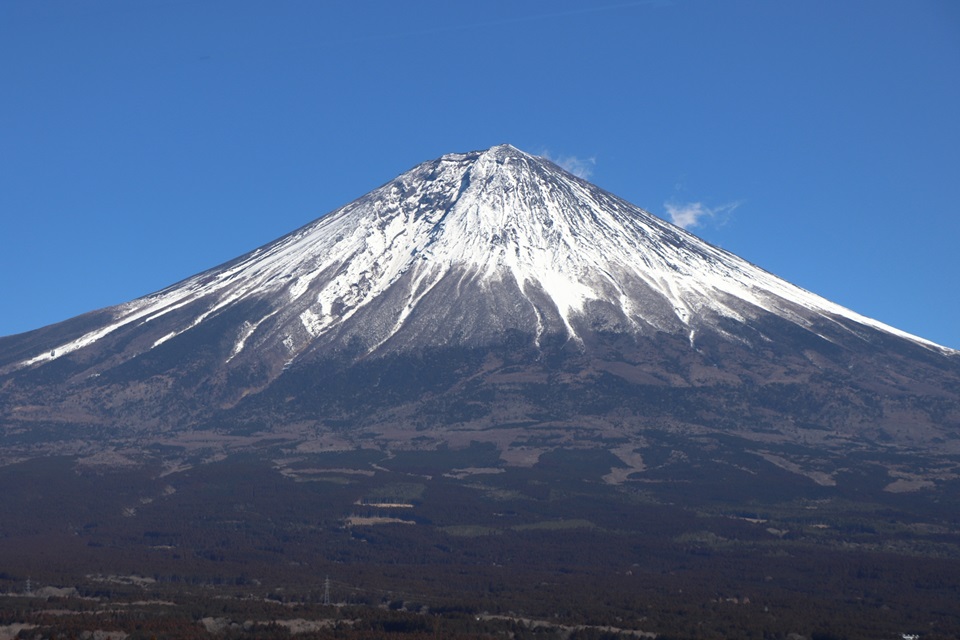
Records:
x=558, y=388
x=460, y=250
x=495, y=250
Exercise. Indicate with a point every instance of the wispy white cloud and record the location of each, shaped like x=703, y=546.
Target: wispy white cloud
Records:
x=580, y=167
x=693, y=214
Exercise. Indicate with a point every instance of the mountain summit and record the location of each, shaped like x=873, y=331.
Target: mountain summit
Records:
x=495, y=272
x=461, y=249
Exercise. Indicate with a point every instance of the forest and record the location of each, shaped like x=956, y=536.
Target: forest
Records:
x=362, y=544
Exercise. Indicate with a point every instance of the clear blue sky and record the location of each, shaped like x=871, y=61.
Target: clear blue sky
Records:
x=144, y=141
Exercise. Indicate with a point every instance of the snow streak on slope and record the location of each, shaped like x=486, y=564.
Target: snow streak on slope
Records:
x=512, y=226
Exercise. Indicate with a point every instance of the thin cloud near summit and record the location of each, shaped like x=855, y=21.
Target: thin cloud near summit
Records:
x=692, y=214
x=580, y=167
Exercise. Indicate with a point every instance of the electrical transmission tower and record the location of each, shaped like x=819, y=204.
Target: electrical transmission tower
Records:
x=326, y=590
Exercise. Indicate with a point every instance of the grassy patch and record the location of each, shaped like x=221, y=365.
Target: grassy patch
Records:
x=555, y=525
x=470, y=531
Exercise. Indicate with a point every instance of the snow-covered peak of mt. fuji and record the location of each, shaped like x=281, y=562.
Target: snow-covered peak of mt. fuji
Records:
x=460, y=250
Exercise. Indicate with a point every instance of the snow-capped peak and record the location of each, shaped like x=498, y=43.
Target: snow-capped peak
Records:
x=466, y=247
